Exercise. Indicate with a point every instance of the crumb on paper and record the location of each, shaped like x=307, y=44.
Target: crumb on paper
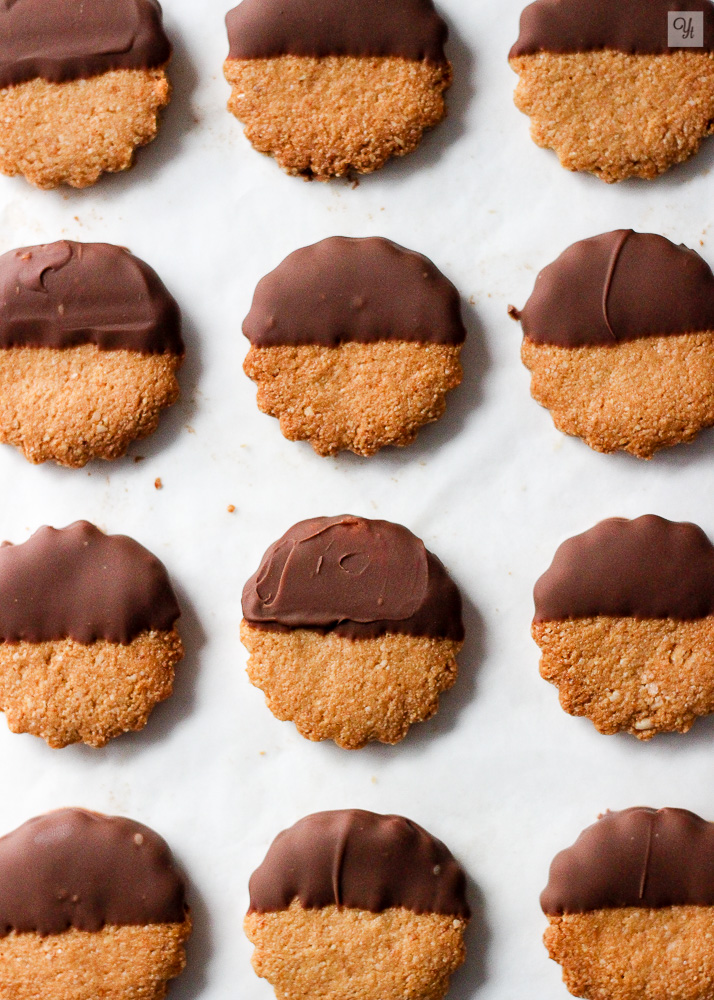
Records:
x=158, y=484
x=190, y=429
x=231, y=508
x=138, y=458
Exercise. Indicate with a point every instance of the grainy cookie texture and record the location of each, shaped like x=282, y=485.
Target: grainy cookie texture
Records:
x=348, y=690
x=615, y=114
x=333, y=953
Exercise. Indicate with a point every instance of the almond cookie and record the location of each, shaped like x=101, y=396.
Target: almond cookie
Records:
x=81, y=86
x=88, y=642
x=351, y=905
x=331, y=86
x=90, y=343
x=620, y=88
x=354, y=344
x=619, y=338
x=630, y=908
x=624, y=619
x=353, y=628
x=90, y=906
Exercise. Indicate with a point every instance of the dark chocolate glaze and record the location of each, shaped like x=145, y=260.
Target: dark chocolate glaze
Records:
x=638, y=27
x=65, y=294
x=359, y=860
x=61, y=40
x=639, y=857
x=73, y=868
x=646, y=568
x=363, y=290
x=616, y=287
x=358, y=577
x=259, y=29
x=81, y=584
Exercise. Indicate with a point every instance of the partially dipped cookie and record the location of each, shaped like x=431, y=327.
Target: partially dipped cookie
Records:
x=90, y=906
x=88, y=640
x=333, y=86
x=351, y=905
x=353, y=628
x=354, y=344
x=81, y=86
x=624, y=618
x=619, y=88
x=630, y=907
x=90, y=343
x=618, y=335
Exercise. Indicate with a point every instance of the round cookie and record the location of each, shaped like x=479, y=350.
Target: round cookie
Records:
x=630, y=907
x=618, y=335
x=88, y=642
x=604, y=88
x=354, y=344
x=331, y=86
x=353, y=629
x=351, y=905
x=90, y=343
x=90, y=906
x=624, y=618
x=81, y=86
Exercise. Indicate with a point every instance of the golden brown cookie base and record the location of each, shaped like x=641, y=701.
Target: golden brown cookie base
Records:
x=618, y=115
x=636, y=953
x=67, y=692
x=638, y=676
x=116, y=963
x=355, y=397
x=351, y=691
x=74, y=404
x=71, y=133
x=636, y=396
x=345, y=954
x=322, y=118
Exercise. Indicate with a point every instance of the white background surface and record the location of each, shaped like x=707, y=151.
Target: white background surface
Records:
x=501, y=774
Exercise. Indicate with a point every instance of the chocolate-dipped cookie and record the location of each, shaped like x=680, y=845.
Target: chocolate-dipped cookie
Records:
x=81, y=86
x=90, y=343
x=333, y=86
x=624, y=618
x=90, y=906
x=353, y=629
x=620, y=88
x=354, y=344
x=618, y=335
x=630, y=907
x=351, y=904
x=88, y=640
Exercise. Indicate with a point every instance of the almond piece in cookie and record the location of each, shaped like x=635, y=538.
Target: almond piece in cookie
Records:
x=624, y=618
x=354, y=344
x=329, y=86
x=88, y=643
x=90, y=344
x=91, y=906
x=618, y=335
x=351, y=905
x=81, y=86
x=630, y=907
x=619, y=88
x=353, y=629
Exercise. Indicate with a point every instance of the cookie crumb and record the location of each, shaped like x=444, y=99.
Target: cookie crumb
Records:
x=158, y=484
x=231, y=508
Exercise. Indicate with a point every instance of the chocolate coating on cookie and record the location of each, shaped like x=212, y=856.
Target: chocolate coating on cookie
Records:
x=646, y=568
x=65, y=294
x=638, y=27
x=619, y=286
x=359, y=860
x=61, y=40
x=638, y=857
x=81, y=584
x=358, y=577
x=259, y=29
x=74, y=868
x=363, y=290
